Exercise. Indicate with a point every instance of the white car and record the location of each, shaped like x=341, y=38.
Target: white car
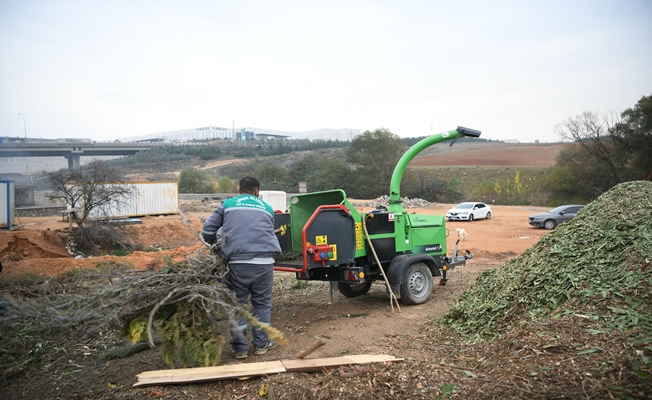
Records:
x=468, y=211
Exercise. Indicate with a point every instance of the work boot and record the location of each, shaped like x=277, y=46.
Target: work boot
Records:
x=238, y=355
x=268, y=346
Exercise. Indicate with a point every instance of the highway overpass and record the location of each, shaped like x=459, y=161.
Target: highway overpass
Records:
x=72, y=150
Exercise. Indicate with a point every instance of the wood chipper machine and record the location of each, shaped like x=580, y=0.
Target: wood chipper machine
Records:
x=323, y=237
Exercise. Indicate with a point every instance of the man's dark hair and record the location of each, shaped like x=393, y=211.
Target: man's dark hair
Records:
x=249, y=184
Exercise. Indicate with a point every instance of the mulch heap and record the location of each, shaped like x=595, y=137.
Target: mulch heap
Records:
x=572, y=314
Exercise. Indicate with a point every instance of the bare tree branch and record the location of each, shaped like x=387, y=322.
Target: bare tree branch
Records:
x=593, y=132
x=93, y=187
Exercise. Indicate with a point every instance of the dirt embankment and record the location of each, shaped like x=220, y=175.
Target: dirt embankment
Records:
x=39, y=246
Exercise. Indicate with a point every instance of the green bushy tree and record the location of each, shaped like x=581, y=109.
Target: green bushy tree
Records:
x=634, y=136
x=193, y=180
x=227, y=185
x=271, y=177
x=332, y=174
x=375, y=154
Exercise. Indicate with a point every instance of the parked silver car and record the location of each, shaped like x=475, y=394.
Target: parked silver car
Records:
x=468, y=211
x=550, y=219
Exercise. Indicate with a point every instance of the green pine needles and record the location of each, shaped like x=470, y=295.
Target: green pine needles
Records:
x=190, y=336
x=598, y=265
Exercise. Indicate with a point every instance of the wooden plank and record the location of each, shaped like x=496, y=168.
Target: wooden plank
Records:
x=247, y=370
x=318, y=364
x=243, y=367
x=220, y=372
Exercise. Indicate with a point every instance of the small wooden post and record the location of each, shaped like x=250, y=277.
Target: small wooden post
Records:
x=317, y=344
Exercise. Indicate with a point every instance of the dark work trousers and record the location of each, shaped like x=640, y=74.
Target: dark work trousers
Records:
x=255, y=281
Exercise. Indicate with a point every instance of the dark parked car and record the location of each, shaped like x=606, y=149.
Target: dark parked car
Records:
x=554, y=217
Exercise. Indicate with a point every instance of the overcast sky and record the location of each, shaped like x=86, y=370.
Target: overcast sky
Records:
x=512, y=69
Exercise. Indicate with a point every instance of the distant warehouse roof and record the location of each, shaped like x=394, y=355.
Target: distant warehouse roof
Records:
x=157, y=139
x=264, y=136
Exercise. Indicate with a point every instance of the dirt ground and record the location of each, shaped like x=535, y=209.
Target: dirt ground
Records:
x=363, y=325
x=25, y=250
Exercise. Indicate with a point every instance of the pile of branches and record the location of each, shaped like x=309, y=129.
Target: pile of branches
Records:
x=97, y=236
x=407, y=202
x=186, y=307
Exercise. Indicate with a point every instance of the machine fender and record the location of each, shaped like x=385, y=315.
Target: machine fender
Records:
x=398, y=266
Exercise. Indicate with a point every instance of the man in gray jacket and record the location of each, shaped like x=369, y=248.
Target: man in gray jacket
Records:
x=249, y=245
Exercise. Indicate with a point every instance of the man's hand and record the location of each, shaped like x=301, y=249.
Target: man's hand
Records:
x=211, y=239
x=216, y=249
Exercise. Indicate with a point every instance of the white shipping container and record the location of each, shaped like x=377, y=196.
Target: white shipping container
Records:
x=146, y=198
x=275, y=198
x=7, y=203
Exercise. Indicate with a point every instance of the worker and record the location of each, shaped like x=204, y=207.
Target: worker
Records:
x=249, y=246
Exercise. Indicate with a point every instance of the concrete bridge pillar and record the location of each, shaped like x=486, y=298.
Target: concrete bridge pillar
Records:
x=74, y=159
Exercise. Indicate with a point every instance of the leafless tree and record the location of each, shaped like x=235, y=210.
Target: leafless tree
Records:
x=594, y=133
x=88, y=188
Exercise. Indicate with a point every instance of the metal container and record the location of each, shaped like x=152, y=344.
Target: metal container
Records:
x=146, y=198
x=275, y=198
x=7, y=203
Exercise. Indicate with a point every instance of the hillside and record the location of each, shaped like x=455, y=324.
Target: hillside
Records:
x=466, y=170
x=535, y=155
x=469, y=169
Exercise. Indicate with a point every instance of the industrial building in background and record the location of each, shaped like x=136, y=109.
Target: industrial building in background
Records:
x=242, y=134
x=28, y=164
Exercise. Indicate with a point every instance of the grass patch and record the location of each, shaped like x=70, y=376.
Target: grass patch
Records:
x=120, y=252
x=494, y=184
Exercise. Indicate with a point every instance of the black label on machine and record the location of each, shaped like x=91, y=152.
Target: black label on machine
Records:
x=428, y=248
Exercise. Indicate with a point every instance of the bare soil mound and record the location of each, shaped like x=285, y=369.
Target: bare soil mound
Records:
x=31, y=244
x=40, y=247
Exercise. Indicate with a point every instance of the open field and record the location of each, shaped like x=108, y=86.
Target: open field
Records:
x=540, y=155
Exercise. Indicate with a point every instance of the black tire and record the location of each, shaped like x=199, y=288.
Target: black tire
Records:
x=471, y=218
x=353, y=289
x=550, y=224
x=488, y=215
x=417, y=284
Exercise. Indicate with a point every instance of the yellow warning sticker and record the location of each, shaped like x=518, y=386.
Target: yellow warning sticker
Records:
x=359, y=242
x=320, y=240
x=334, y=252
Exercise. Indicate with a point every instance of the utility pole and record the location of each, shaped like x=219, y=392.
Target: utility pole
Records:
x=24, y=126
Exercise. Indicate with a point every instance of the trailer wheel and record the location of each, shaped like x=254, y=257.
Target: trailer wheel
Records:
x=353, y=289
x=417, y=284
